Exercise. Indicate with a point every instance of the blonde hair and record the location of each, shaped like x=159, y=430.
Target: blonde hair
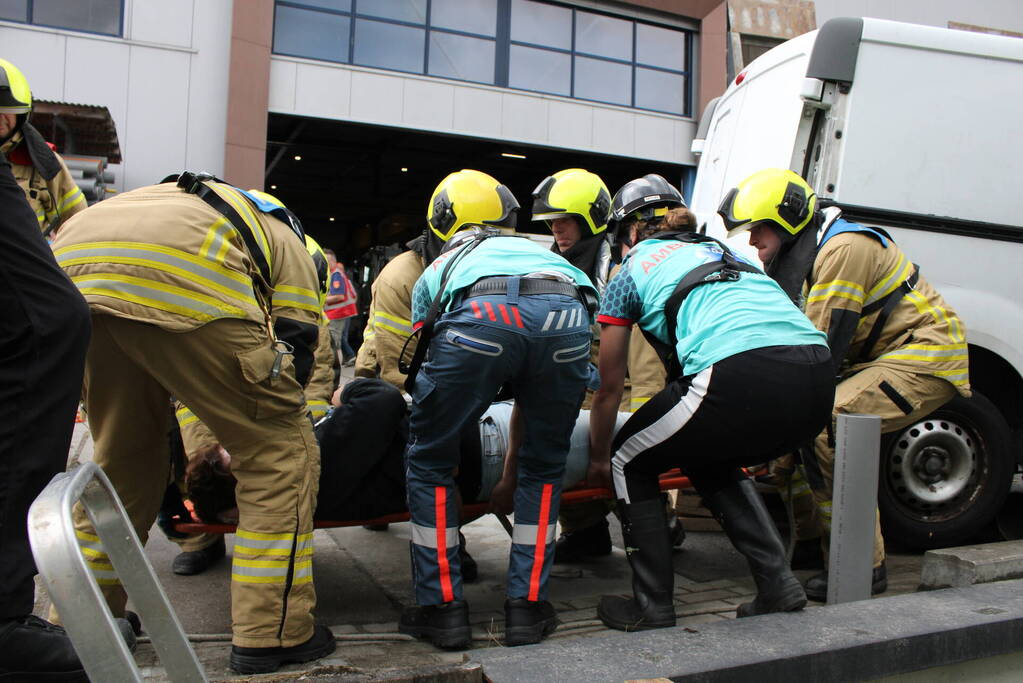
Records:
x=676, y=220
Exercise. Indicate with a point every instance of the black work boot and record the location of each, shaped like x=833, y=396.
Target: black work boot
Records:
x=648, y=546
x=576, y=546
x=35, y=650
x=742, y=514
x=445, y=625
x=528, y=621
x=260, y=660
x=817, y=585
x=198, y=561
x=470, y=570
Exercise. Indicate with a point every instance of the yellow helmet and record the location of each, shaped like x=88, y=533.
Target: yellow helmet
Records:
x=777, y=195
x=320, y=260
x=468, y=198
x=15, y=95
x=573, y=192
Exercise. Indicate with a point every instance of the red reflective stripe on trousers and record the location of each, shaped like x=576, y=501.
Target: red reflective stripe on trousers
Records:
x=476, y=310
x=541, y=543
x=440, y=495
x=518, y=320
x=490, y=311
x=504, y=314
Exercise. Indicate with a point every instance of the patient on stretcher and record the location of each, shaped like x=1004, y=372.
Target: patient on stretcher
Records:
x=362, y=469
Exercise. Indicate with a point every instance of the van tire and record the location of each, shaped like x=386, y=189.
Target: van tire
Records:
x=943, y=478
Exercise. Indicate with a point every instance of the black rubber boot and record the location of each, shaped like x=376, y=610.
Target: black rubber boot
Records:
x=445, y=625
x=35, y=650
x=577, y=546
x=742, y=514
x=817, y=585
x=527, y=621
x=198, y=561
x=648, y=546
x=259, y=660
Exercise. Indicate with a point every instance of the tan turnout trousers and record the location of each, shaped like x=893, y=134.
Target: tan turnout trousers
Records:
x=221, y=370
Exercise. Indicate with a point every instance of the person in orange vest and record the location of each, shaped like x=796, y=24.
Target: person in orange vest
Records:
x=340, y=308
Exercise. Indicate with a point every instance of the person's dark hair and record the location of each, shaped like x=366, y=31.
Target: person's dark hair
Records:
x=209, y=484
x=330, y=252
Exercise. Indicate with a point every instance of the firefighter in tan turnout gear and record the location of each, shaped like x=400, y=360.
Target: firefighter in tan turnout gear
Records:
x=899, y=350
x=205, y=292
x=51, y=191
x=201, y=550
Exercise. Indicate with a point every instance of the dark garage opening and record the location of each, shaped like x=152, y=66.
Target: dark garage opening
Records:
x=359, y=186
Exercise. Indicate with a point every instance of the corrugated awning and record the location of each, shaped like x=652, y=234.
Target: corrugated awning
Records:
x=84, y=129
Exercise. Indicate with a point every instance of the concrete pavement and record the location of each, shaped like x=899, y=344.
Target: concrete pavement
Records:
x=363, y=581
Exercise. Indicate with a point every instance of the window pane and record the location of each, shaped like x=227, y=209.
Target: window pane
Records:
x=343, y=5
x=15, y=10
x=660, y=91
x=603, y=81
x=308, y=33
x=468, y=59
x=97, y=16
x=389, y=46
x=605, y=36
x=660, y=47
x=534, y=22
x=413, y=11
x=540, y=70
x=471, y=16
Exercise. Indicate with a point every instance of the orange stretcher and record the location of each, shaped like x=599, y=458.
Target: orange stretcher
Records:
x=670, y=481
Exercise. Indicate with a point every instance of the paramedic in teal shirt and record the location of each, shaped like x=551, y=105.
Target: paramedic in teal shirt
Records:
x=506, y=312
x=749, y=378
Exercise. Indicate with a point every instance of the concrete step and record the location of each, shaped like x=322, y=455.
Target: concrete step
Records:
x=971, y=564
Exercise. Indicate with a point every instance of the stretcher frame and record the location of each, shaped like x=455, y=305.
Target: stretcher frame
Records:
x=669, y=481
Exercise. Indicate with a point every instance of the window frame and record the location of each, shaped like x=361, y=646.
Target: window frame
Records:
x=503, y=42
x=30, y=21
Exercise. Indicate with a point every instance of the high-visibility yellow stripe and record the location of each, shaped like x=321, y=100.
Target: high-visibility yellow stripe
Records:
x=156, y=295
x=242, y=206
x=286, y=300
x=243, y=297
x=85, y=536
x=185, y=416
x=91, y=553
x=637, y=403
x=283, y=552
x=98, y=248
x=241, y=578
x=301, y=291
x=70, y=199
x=836, y=288
x=217, y=239
x=892, y=280
x=270, y=564
x=256, y=536
x=394, y=318
x=929, y=353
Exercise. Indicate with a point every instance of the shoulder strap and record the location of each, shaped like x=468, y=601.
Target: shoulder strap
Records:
x=725, y=270
x=887, y=305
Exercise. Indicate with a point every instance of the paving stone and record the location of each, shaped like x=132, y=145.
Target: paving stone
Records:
x=344, y=629
x=709, y=606
x=704, y=596
x=698, y=619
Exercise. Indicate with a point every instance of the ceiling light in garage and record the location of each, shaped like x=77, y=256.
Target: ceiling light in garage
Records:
x=404, y=169
x=331, y=219
x=298, y=157
x=512, y=155
x=273, y=187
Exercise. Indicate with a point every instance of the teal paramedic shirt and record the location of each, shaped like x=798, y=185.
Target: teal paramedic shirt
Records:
x=716, y=320
x=494, y=257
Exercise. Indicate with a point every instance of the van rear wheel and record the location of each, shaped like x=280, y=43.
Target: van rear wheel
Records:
x=943, y=478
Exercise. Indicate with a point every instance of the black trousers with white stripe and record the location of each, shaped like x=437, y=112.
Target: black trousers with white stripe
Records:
x=743, y=410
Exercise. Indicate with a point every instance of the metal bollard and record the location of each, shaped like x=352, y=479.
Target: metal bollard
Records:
x=853, y=507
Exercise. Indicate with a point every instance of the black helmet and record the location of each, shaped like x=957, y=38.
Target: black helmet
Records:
x=643, y=196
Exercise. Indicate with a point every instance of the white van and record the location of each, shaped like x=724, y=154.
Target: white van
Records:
x=918, y=130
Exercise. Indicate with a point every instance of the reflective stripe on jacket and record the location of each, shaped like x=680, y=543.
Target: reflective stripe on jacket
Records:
x=165, y=257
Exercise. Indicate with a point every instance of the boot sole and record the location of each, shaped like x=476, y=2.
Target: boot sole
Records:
x=448, y=639
x=641, y=625
x=529, y=635
x=251, y=664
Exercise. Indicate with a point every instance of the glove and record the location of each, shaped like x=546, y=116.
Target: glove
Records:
x=171, y=507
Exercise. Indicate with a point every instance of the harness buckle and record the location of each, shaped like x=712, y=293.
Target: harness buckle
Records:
x=191, y=182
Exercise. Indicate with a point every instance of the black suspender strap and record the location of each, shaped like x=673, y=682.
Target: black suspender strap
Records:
x=196, y=184
x=887, y=305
